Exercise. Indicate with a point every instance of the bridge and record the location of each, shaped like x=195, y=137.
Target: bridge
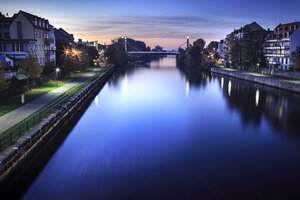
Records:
x=139, y=52
x=154, y=52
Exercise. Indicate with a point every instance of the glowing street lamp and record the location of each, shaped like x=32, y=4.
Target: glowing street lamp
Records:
x=57, y=70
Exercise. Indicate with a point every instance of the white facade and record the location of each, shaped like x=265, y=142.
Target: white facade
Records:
x=280, y=44
x=27, y=34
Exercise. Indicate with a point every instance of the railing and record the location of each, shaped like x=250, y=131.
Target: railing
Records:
x=9, y=136
x=153, y=52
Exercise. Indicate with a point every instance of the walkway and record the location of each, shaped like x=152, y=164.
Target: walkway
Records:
x=270, y=80
x=10, y=119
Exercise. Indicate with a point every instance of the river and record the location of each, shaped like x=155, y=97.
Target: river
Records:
x=161, y=132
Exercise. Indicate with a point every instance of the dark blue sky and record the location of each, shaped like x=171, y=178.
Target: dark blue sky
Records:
x=163, y=22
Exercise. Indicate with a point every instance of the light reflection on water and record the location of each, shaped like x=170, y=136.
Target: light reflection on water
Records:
x=230, y=139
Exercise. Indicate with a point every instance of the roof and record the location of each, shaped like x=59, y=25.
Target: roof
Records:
x=253, y=27
x=5, y=19
x=62, y=35
x=32, y=18
x=289, y=24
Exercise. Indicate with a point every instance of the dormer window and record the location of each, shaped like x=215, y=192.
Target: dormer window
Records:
x=35, y=21
x=43, y=24
x=40, y=23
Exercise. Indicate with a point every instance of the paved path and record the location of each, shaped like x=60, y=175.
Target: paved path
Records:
x=10, y=119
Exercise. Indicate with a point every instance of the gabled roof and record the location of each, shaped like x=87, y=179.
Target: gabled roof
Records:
x=5, y=19
x=289, y=24
x=254, y=26
x=31, y=18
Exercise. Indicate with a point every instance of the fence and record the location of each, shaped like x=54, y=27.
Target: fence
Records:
x=9, y=136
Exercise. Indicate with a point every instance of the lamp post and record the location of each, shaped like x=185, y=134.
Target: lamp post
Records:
x=56, y=72
x=187, y=42
x=125, y=44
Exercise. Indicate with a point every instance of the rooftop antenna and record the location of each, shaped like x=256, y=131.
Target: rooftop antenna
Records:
x=6, y=14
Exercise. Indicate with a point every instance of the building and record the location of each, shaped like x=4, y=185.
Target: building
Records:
x=221, y=49
x=23, y=34
x=92, y=44
x=50, y=50
x=252, y=33
x=280, y=44
x=64, y=37
x=239, y=33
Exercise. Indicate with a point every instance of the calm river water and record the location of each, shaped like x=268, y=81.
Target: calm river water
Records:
x=160, y=132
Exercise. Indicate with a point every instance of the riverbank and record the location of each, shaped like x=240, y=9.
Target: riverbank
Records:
x=11, y=158
x=273, y=81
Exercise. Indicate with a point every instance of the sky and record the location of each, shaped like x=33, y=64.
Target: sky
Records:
x=157, y=22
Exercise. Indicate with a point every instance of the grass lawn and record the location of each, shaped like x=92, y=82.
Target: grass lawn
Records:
x=15, y=101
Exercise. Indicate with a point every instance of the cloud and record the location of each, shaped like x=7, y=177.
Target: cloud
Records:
x=165, y=28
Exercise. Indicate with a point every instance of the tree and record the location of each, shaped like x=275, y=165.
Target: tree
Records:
x=70, y=64
x=192, y=57
x=32, y=69
x=247, y=50
x=158, y=48
x=2, y=78
x=200, y=43
x=296, y=58
x=212, y=47
x=115, y=53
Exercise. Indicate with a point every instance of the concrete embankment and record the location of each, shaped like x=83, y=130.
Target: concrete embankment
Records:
x=37, y=137
x=278, y=82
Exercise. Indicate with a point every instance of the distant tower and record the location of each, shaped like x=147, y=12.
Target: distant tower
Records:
x=125, y=44
x=187, y=42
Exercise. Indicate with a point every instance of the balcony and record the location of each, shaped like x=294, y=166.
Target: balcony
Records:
x=48, y=41
x=277, y=47
x=277, y=55
x=279, y=40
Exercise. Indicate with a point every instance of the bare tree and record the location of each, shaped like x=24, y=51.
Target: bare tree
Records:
x=3, y=82
x=32, y=69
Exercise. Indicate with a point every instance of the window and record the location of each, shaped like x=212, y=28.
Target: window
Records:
x=6, y=25
x=13, y=45
x=17, y=47
x=0, y=26
x=19, y=30
x=21, y=47
x=6, y=35
x=0, y=35
x=35, y=34
x=1, y=47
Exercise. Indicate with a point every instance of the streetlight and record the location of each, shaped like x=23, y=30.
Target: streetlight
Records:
x=57, y=70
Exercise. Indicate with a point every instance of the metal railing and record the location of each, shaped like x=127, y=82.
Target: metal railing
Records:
x=9, y=136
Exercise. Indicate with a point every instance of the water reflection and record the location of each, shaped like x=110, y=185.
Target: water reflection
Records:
x=125, y=83
x=227, y=140
x=96, y=100
x=187, y=87
x=256, y=102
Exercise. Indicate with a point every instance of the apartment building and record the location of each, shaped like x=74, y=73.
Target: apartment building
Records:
x=280, y=44
x=24, y=34
x=225, y=44
x=50, y=48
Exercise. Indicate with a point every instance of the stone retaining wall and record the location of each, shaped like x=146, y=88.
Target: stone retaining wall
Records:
x=274, y=82
x=49, y=127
